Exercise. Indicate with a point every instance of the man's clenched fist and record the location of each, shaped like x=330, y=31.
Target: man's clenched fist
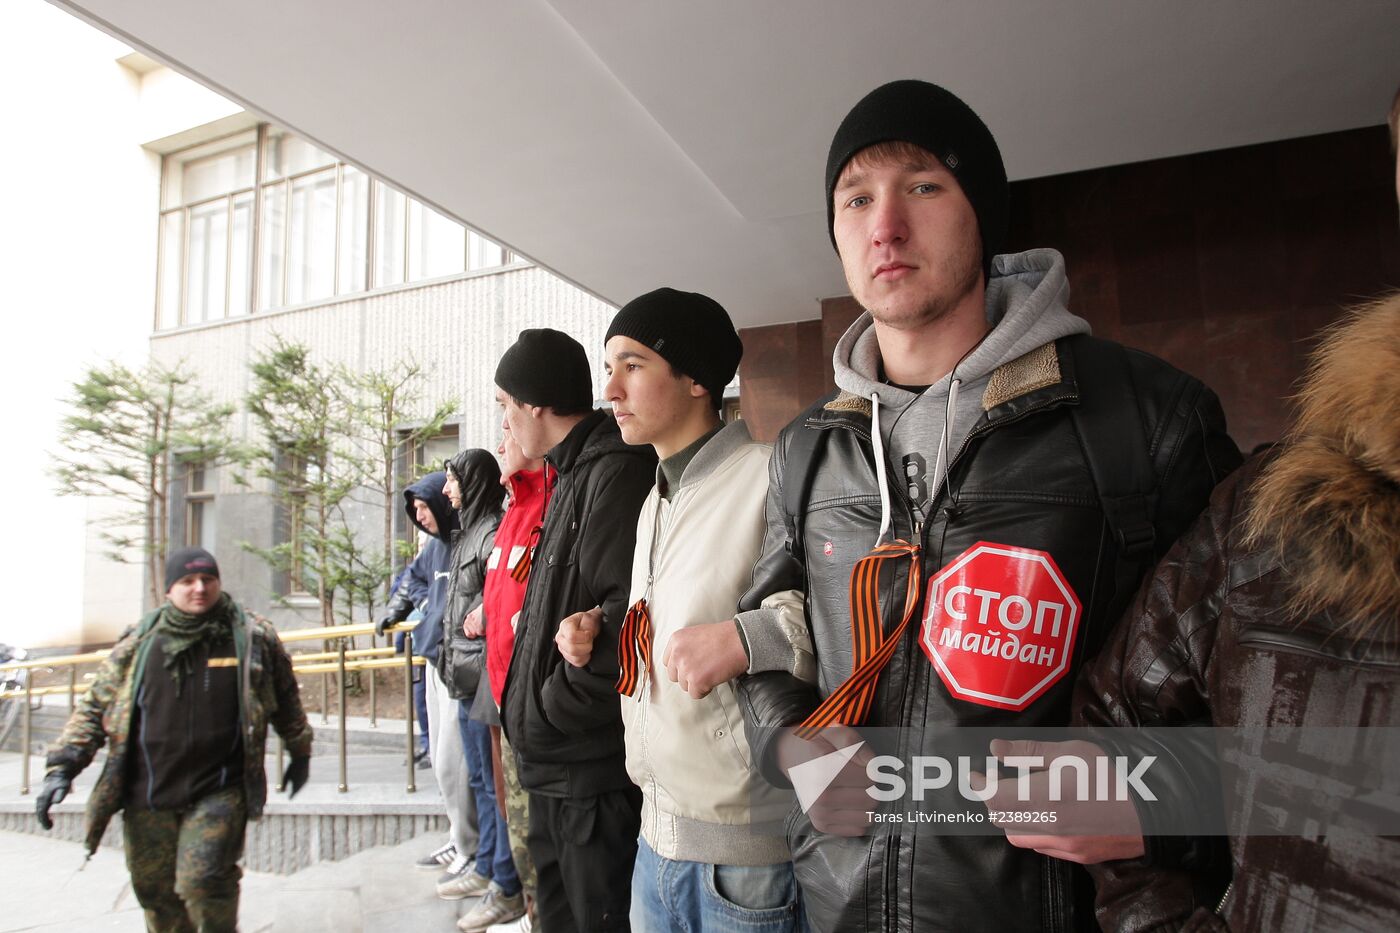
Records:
x=575, y=636
x=701, y=657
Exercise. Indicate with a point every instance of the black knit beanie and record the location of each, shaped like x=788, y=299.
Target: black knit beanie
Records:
x=937, y=120
x=689, y=330
x=186, y=561
x=548, y=368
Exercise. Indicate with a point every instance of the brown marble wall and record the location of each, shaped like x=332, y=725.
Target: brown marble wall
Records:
x=1224, y=263
x=784, y=370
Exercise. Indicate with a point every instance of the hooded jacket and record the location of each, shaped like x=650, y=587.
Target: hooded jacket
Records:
x=428, y=575
x=563, y=722
x=1015, y=477
x=479, y=476
x=268, y=695
x=503, y=595
x=1280, y=608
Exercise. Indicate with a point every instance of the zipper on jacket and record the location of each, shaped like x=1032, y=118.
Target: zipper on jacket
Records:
x=1225, y=897
x=892, y=848
x=658, y=531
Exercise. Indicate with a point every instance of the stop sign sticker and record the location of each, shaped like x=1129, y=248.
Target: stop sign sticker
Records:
x=1000, y=625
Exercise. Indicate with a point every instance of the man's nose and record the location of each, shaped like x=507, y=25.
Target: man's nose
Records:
x=889, y=222
x=612, y=389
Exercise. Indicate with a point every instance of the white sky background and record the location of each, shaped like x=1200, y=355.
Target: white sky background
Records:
x=77, y=274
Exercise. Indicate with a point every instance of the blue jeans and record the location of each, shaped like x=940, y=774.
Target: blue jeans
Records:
x=493, y=859
x=699, y=898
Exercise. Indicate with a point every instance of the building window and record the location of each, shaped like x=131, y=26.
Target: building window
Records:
x=323, y=229
x=206, y=227
x=199, y=524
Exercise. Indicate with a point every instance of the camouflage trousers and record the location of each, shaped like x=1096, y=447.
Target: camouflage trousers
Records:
x=184, y=863
x=517, y=803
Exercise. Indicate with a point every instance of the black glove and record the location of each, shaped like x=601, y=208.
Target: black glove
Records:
x=294, y=778
x=56, y=787
x=399, y=608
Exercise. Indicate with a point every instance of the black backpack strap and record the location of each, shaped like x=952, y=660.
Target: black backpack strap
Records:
x=798, y=471
x=1110, y=426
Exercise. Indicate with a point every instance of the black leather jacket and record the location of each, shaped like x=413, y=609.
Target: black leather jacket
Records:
x=564, y=723
x=463, y=659
x=1020, y=479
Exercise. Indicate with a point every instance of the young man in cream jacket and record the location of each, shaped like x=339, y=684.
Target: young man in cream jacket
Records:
x=702, y=862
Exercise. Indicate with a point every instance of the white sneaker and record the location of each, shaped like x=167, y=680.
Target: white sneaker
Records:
x=455, y=867
x=438, y=859
x=492, y=909
x=466, y=883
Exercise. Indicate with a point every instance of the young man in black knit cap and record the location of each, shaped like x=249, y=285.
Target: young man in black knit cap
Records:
x=563, y=722
x=183, y=703
x=701, y=864
x=980, y=442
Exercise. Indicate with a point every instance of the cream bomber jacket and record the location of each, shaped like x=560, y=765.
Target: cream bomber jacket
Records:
x=700, y=795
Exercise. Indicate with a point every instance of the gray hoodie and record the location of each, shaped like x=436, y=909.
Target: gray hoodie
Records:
x=1027, y=297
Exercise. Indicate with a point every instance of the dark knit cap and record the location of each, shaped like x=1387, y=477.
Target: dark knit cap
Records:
x=548, y=368
x=937, y=120
x=689, y=330
x=186, y=561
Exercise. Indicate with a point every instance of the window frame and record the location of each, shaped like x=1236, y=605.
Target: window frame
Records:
x=277, y=265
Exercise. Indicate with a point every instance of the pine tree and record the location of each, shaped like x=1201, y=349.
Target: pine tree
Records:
x=125, y=433
x=307, y=455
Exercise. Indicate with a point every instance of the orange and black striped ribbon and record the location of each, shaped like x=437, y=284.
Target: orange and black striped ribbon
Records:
x=871, y=647
x=633, y=647
x=521, y=571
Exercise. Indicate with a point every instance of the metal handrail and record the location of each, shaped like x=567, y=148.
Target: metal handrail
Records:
x=62, y=660
x=370, y=659
x=380, y=661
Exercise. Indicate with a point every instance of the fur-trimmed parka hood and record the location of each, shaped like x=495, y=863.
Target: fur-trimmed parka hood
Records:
x=1330, y=501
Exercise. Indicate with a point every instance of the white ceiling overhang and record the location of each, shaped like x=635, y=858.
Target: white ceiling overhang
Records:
x=627, y=144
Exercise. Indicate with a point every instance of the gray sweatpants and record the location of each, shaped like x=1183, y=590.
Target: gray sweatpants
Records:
x=450, y=765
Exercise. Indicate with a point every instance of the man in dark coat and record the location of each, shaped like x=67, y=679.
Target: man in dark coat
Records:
x=564, y=723
x=183, y=703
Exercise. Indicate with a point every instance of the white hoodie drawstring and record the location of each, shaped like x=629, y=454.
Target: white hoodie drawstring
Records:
x=950, y=410
x=940, y=467
x=880, y=476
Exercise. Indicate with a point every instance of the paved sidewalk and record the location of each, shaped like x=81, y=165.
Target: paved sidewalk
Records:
x=376, y=891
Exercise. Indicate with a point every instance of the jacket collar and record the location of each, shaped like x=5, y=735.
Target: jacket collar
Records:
x=1330, y=500
x=716, y=450
x=565, y=455
x=526, y=485
x=1041, y=378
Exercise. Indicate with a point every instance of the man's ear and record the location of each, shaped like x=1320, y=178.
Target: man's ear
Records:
x=696, y=389
x=536, y=411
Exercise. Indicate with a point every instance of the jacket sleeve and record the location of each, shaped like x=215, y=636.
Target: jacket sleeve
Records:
x=772, y=616
x=1152, y=672
x=84, y=734
x=289, y=719
x=578, y=700
x=1194, y=454
x=476, y=573
x=418, y=579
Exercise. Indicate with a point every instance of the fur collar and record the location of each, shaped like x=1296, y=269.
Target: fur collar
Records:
x=1330, y=501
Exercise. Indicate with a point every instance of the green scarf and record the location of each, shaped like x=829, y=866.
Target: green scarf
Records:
x=181, y=631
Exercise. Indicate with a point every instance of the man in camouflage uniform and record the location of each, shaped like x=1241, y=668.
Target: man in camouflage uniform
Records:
x=184, y=699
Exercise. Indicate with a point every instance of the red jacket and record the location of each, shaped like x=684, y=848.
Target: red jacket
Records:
x=501, y=595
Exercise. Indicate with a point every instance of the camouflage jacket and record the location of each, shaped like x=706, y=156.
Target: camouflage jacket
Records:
x=104, y=714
